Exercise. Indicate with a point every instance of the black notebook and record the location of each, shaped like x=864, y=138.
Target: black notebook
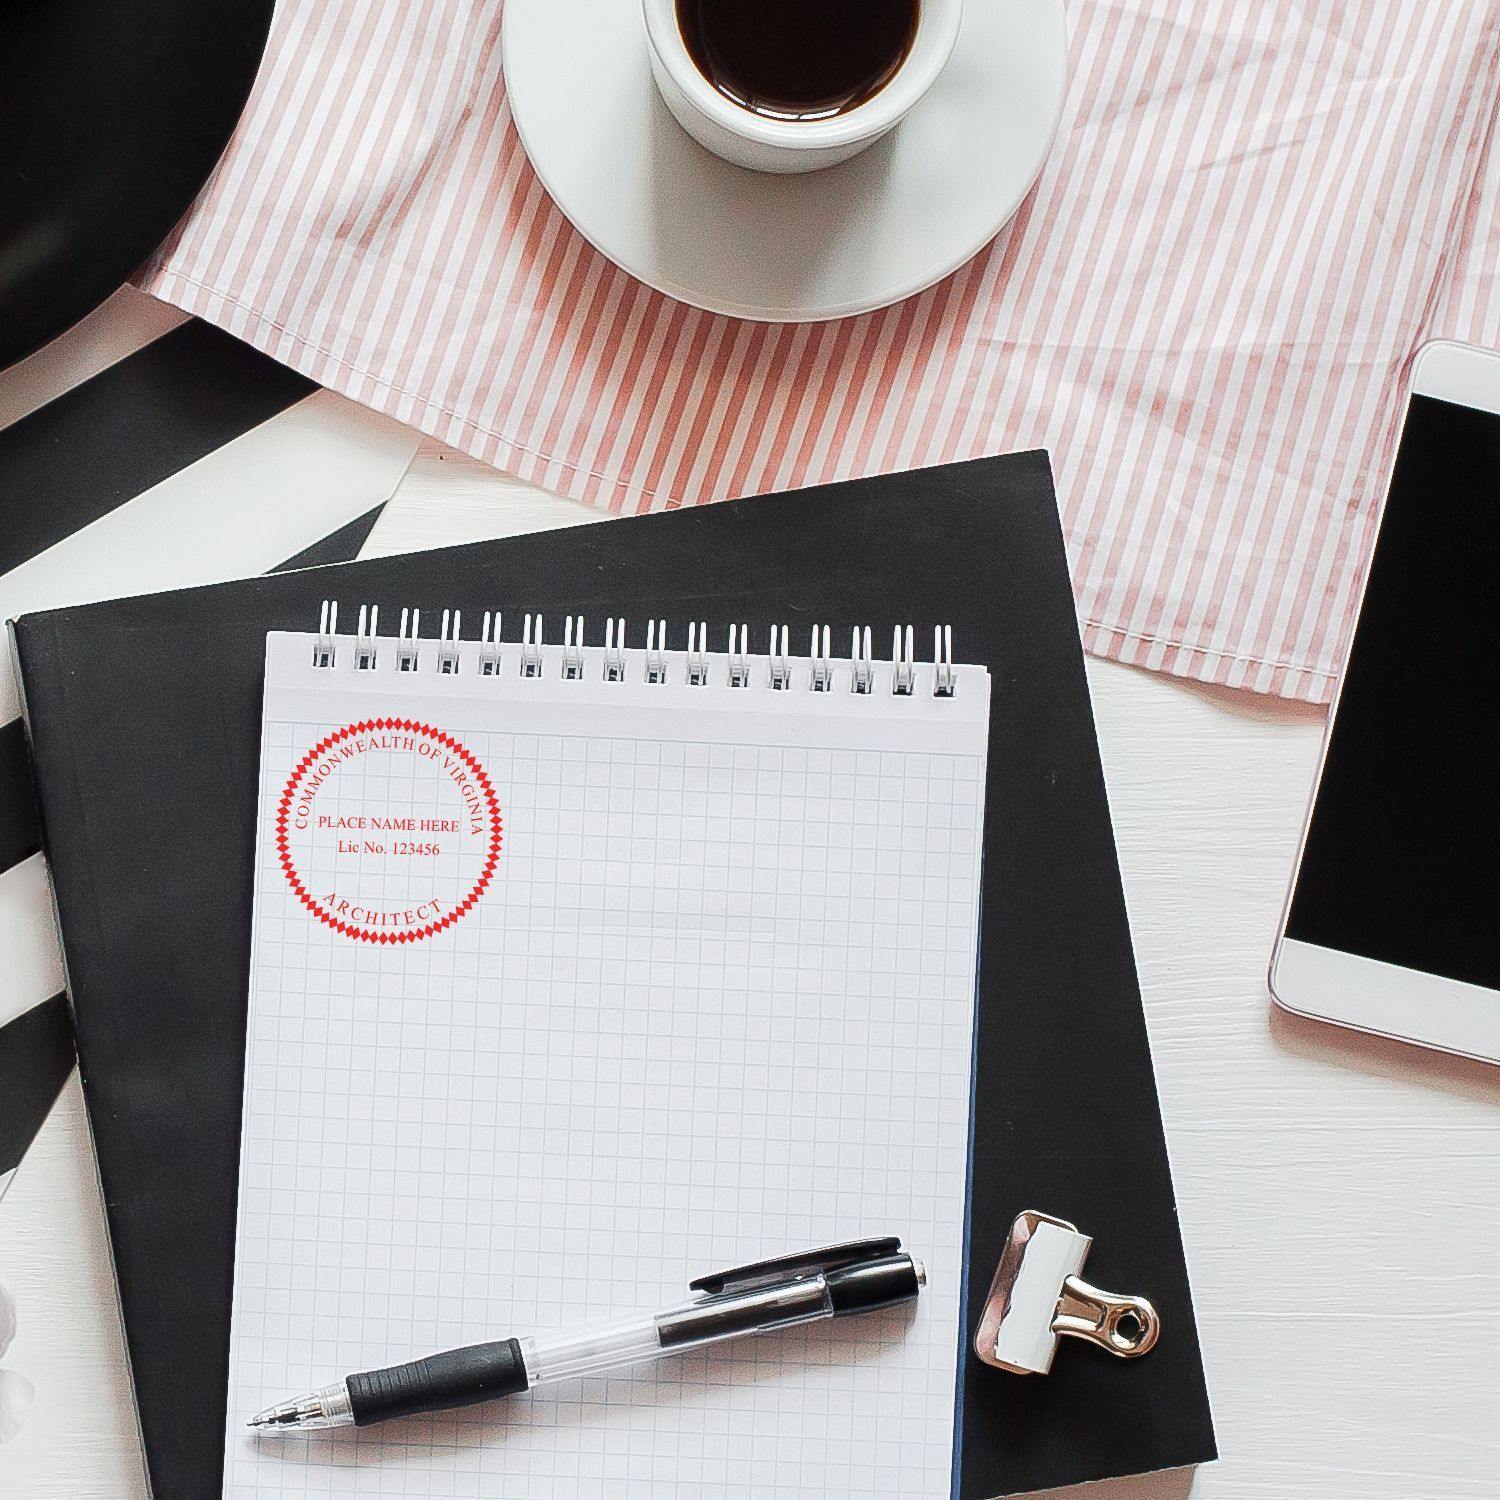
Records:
x=144, y=717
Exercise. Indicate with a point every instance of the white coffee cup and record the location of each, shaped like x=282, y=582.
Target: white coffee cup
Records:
x=751, y=140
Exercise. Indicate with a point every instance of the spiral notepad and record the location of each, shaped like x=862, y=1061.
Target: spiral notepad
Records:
x=583, y=966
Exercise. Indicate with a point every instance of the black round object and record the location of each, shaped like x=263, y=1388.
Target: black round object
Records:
x=112, y=115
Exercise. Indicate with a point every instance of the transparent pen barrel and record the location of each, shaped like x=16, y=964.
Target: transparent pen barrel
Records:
x=759, y=1310
x=579, y=1352
x=705, y=1320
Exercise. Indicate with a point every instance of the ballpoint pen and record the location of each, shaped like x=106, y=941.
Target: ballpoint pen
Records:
x=760, y=1298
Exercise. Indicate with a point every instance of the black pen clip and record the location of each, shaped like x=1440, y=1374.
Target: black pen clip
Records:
x=800, y=1263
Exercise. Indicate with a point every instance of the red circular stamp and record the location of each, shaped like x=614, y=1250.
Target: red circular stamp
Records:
x=388, y=830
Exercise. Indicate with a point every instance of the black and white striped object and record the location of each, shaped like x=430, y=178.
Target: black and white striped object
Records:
x=147, y=451
x=36, y=1056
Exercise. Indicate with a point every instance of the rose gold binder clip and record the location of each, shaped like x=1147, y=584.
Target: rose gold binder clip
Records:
x=1037, y=1297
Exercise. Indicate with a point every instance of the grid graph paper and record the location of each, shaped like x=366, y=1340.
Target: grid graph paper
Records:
x=714, y=1002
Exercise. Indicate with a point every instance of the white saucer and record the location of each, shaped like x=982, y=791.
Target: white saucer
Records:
x=798, y=249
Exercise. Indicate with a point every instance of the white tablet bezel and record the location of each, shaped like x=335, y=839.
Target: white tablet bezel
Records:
x=1365, y=993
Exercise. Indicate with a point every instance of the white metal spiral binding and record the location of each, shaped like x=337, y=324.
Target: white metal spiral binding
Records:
x=614, y=649
x=489, y=645
x=739, y=656
x=945, y=680
x=701, y=666
x=406, y=642
x=697, y=654
x=905, y=676
x=822, y=665
x=326, y=643
x=447, y=657
x=365, y=642
x=572, y=661
x=862, y=673
x=780, y=656
x=531, y=647
x=656, y=650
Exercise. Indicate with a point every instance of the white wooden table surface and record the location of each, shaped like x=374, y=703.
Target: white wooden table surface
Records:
x=1340, y=1197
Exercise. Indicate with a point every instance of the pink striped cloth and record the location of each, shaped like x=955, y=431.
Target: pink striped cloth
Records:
x=1255, y=213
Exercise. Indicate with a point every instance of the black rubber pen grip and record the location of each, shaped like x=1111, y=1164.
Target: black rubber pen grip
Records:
x=457, y=1377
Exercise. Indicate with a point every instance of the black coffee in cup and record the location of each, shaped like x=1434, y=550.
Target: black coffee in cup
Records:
x=798, y=59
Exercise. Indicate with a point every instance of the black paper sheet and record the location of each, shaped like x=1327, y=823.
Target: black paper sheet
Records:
x=145, y=715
